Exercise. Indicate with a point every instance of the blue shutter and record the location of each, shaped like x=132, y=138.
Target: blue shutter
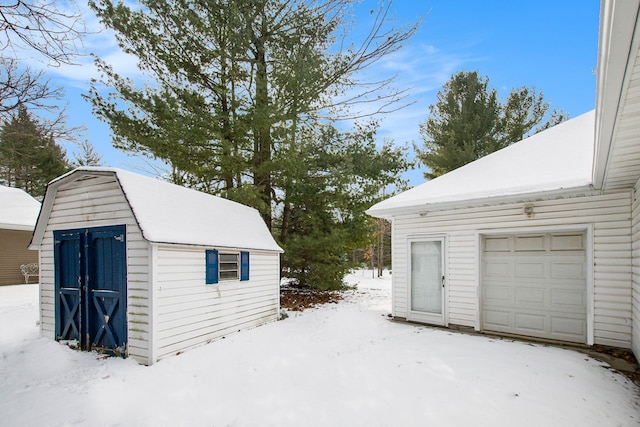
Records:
x=244, y=265
x=212, y=267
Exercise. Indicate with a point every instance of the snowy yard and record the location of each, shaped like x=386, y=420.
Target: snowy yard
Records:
x=342, y=364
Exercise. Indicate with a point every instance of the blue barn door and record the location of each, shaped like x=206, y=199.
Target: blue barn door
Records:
x=68, y=285
x=91, y=286
x=107, y=289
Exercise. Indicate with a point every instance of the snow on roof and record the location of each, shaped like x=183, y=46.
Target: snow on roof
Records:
x=18, y=210
x=168, y=213
x=556, y=159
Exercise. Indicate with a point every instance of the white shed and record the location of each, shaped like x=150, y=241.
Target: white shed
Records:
x=542, y=238
x=139, y=267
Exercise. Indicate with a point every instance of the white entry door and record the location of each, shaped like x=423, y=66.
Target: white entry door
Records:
x=426, y=287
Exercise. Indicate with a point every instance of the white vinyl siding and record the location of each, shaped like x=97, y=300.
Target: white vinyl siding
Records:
x=636, y=270
x=189, y=313
x=97, y=202
x=609, y=215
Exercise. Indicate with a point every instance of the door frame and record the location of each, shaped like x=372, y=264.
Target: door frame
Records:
x=441, y=319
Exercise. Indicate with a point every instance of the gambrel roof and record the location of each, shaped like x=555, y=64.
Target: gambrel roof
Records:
x=168, y=213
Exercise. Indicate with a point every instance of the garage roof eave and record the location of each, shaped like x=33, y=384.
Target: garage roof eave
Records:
x=424, y=208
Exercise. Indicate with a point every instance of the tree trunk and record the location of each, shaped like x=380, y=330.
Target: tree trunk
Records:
x=262, y=129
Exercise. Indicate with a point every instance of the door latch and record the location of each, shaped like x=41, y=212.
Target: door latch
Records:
x=443, y=281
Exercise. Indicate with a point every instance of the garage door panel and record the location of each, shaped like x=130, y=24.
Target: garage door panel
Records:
x=498, y=320
x=568, y=270
x=496, y=244
x=566, y=328
x=530, y=323
x=558, y=327
x=574, y=242
x=529, y=243
x=494, y=268
x=535, y=285
x=527, y=297
x=567, y=299
x=530, y=269
x=498, y=295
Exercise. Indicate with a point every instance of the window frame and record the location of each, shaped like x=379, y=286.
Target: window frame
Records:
x=215, y=260
x=228, y=262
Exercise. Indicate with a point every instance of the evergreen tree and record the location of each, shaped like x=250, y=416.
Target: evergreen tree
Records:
x=463, y=125
x=87, y=155
x=29, y=156
x=238, y=86
x=229, y=77
x=468, y=122
x=525, y=112
x=336, y=177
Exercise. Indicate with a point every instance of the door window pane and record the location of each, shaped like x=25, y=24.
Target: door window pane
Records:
x=426, y=276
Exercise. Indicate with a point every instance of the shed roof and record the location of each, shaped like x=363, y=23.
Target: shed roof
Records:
x=556, y=159
x=168, y=213
x=18, y=210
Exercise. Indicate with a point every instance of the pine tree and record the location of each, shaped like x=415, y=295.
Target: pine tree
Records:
x=29, y=157
x=229, y=77
x=463, y=124
x=237, y=86
x=87, y=155
x=468, y=122
x=338, y=176
x=525, y=112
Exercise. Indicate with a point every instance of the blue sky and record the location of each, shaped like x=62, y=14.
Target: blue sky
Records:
x=549, y=44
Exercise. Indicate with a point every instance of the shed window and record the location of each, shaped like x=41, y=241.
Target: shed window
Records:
x=226, y=266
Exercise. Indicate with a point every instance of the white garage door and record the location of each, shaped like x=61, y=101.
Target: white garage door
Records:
x=535, y=285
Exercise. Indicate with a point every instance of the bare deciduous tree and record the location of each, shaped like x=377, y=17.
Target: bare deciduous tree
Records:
x=44, y=27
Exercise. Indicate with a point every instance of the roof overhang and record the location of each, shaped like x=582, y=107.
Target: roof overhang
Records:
x=16, y=227
x=425, y=208
x=618, y=21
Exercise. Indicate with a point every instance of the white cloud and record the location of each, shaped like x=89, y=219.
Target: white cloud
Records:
x=97, y=41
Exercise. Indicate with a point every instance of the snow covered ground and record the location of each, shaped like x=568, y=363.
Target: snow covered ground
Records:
x=342, y=364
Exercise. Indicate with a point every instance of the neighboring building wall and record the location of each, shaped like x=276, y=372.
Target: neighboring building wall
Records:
x=99, y=202
x=635, y=230
x=189, y=313
x=609, y=214
x=13, y=253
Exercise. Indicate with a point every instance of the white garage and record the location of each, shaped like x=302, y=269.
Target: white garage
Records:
x=541, y=255
x=541, y=238
x=535, y=285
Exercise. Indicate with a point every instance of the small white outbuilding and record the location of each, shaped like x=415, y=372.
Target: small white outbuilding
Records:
x=146, y=269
